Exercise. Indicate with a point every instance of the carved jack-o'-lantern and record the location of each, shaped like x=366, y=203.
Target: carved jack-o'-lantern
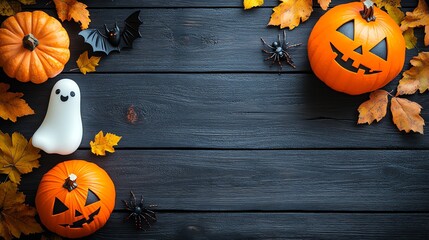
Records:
x=356, y=48
x=75, y=198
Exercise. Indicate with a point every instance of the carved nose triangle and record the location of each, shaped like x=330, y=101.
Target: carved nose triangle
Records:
x=358, y=50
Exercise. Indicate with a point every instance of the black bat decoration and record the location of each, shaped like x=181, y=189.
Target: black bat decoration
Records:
x=114, y=39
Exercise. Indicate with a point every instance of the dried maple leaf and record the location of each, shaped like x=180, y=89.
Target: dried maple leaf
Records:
x=418, y=18
x=17, y=156
x=290, y=12
x=324, y=4
x=73, y=9
x=417, y=77
x=406, y=115
x=248, y=4
x=375, y=108
x=392, y=8
x=86, y=64
x=102, y=143
x=16, y=217
x=11, y=104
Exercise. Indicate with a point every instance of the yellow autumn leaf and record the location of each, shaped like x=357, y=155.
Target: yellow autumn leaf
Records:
x=418, y=18
x=410, y=39
x=102, y=143
x=248, y=4
x=27, y=2
x=324, y=4
x=73, y=9
x=290, y=13
x=375, y=108
x=392, y=7
x=417, y=77
x=11, y=104
x=16, y=217
x=86, y=64
x=17, y=156
x=9, y=8
x=406, y=115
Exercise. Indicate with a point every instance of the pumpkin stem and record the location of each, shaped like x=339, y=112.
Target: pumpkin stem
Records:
x=368, y=11
x=30, y=42
x=70, y=183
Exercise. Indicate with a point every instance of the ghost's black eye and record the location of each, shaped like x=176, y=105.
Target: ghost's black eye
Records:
x=72, y=94
x=57, y=91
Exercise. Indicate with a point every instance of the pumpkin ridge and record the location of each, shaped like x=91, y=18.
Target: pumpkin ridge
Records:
x=48, y=61
x=55, y=54
x=12, y=25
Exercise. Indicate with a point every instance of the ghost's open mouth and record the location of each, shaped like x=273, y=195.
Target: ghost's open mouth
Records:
x=349, y=63
x=64, y=98
x=79, y=223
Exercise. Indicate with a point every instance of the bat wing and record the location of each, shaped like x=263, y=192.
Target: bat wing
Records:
x=131, y=30
x=98, y=41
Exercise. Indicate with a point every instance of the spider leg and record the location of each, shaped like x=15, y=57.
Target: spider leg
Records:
x=153, y=218
x=266, y=44
x=293, y=45
x=141, y=200
x=145, y=219
x=139, y=222
x=270, y=57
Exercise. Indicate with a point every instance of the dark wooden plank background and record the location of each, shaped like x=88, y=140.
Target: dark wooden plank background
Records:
x=226, y=146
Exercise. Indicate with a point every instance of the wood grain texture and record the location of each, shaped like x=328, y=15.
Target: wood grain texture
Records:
x=215, y=226
x=256, y=111
x=190, y=4
x=305, y=180
x=200, y=40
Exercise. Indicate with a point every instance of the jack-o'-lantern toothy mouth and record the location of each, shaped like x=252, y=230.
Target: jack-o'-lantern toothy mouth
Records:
x=79, y=223
x=349, y=63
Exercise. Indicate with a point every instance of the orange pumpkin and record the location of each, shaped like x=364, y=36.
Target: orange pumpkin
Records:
x=356, y=48
x=33, y=47
x=75, y=198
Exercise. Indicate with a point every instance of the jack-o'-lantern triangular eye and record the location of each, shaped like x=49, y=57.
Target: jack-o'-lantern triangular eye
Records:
x=91, y=198
x=348, y=29
x=59, y=207
x=380, y=49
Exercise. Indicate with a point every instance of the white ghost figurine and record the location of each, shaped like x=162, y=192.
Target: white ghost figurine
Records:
x=61, y=131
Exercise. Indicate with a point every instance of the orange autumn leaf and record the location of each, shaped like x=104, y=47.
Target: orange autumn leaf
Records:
x=16, y=217
x=248, y=4
x=290, y=13
x=417, y=77
x=102, y=143
x=418, y=18
x=11, y=104
x=324, y=4
x=17, y=156
x=73, y=9
x=406, y=115
x=375, y=108
x=86, y=64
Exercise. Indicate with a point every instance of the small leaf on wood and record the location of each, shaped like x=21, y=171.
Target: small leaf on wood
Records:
x=417, y=77
x=375, y=108
x=86, y=64
x=418, y=18
x=248, y=4
x=102, y=143
x=324, y=4
x=11, y=104
x=73, y=9
x=406, y=115
x=290, y=13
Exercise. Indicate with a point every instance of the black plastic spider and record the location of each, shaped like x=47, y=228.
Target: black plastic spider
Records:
x=278, y=51
x=143, y=217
